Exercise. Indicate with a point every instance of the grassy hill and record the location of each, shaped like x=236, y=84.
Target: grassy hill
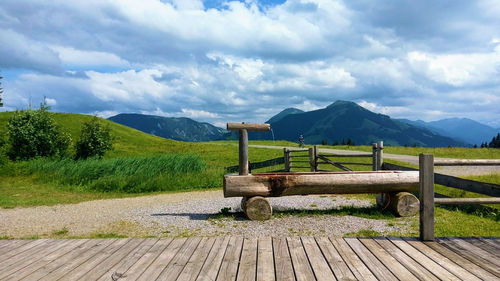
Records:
x=48, y=181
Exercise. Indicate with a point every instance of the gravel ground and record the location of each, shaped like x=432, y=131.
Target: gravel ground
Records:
x=188, y=214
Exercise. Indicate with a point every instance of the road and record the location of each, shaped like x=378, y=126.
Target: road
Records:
x=452, y=171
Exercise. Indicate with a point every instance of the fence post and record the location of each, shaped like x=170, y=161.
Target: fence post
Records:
x=374, y=156
x=243, y=151
x=426, y=194
x=286, y=155
x=380, y=155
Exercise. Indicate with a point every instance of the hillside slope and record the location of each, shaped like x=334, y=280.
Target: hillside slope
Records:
x=176, y=128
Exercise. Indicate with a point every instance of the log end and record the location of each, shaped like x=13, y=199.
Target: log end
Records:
x=257, y=208
x=404, y=204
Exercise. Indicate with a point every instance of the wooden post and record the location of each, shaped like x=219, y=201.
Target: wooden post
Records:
x=286, y=155
x=380, y=155
x=243, y=151
x=374, y=157
x=426, y=178
x=313, y=159
x=243, y=129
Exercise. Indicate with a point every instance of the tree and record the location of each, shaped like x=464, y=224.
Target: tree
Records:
x=33, y=133
x=495, y=142
x=335, y=143
x=1, y=91
x=95, y=139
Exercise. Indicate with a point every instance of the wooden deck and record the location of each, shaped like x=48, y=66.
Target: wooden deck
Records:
x=233, y=258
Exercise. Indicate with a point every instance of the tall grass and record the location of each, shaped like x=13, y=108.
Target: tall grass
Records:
x=123, y=174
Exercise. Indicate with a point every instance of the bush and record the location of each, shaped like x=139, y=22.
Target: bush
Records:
x=33, y=133
x=94, y=141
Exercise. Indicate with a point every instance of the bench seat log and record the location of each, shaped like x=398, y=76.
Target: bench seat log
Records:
x=285, y=184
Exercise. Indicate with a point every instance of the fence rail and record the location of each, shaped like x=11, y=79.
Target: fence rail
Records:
x=483, y=188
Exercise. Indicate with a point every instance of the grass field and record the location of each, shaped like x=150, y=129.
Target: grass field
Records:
x=56, y=181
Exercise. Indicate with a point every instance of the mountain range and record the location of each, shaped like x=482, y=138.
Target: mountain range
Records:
x=340, y=121
x=463, y=129
x=176, y=128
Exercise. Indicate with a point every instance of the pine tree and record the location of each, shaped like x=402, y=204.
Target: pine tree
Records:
x=1, y=91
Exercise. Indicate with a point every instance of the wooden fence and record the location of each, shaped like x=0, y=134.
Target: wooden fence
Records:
x=311, y=158
x=427, y=196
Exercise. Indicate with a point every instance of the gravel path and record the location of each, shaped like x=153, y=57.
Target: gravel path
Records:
x=189, y=214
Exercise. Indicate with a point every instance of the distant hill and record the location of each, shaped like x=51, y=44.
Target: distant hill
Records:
x=344, y=119
x=464, y=129
x=283, y=113
x=182, y=129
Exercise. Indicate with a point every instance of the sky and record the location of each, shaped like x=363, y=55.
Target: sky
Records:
x=228, y=61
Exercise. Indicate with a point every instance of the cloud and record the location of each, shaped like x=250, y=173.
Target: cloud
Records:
x=247, y=60
x=80, y=58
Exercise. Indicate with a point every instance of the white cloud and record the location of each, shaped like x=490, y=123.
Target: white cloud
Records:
x=74, y=57
x=394, y=111
x=130, y=86
x=457, y=69
x=201, y=114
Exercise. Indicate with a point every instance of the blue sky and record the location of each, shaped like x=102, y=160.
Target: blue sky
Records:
x=221, y=61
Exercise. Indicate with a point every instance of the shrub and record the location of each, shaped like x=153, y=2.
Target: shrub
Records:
x=33, y=133
x=94, y=141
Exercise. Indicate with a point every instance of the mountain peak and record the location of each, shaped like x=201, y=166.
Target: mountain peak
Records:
x=343, y=103
x=283, y=113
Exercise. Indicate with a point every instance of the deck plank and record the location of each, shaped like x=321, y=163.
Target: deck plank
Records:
x=11, y=245
x=163, y=259
x=283, y=263
x=472, y=254
x=13, y=263
x=20, y=265
x=262, y=259
x=461, y=261
x=145, y=261
x=441, y=260
x=60, y=261
x=320, y=266
x=229, y=267
x=195, y=263
x=435, y=268
x=22, y=248
x=77, y=260
x=479, y=251
x=94, y=261
x=248, y=270
x=378, y=269
x=394, y=265
x=356, y=265
x=117, y=271
x=334, y=259
x=494, y=246
x=417, y=269
x=300, y=262
x=214, y=260
x=175, y=267
x=265, y=260
x=111, y=262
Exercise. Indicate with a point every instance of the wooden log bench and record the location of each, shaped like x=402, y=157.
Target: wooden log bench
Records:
x=393, y=187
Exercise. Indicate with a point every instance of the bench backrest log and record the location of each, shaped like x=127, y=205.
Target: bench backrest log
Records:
x=243, y=129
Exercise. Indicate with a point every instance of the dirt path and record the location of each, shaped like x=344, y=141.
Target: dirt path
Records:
x=452, y=171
